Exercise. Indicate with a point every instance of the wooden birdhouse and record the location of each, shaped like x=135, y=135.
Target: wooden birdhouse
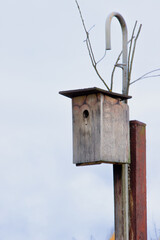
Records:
x=100, y=126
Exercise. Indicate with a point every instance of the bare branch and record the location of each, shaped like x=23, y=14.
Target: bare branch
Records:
x=130, y=56
x=150, y=76
x=90, y=54
x=130, y=65
x=133, y=52
x=145, y=76
x=115, y=65
x=94, y=65
x=130, y=47
x=87, y=33
x=81, y=16
x=89, y=47
x=102, y=79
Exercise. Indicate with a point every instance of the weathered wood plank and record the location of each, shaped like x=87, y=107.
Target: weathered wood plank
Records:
x=137, y=192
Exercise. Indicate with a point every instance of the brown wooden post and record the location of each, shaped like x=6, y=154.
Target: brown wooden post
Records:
x=137, y=186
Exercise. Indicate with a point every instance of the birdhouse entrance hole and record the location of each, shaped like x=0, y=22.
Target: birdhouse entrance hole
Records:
x=85, y=114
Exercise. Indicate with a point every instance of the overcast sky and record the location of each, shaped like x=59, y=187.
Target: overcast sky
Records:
x=43, y=195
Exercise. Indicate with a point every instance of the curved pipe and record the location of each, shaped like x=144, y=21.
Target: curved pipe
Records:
x=124, y=65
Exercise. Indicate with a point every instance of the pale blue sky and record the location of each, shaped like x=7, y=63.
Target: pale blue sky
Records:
x=43, y=195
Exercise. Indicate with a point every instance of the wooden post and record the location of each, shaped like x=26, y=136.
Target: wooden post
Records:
x=137, y=189
x=120, y=173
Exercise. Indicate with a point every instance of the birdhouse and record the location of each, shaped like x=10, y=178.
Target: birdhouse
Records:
x=100, y=126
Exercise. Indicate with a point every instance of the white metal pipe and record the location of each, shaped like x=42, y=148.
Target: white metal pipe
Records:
x=124, y=65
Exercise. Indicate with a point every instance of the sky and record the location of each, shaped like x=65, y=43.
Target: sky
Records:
x=42, y=51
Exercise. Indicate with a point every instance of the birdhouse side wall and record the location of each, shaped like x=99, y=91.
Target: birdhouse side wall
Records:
x=115, y=131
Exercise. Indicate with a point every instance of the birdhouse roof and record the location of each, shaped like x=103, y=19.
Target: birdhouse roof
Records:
x=94, y=90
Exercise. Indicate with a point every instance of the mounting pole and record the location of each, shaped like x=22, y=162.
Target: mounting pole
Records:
x=120, y=172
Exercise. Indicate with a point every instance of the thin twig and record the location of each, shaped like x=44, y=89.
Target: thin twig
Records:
x=91, y=50
x=133, y=52
x=101, y=58
x=145, y=75
x=151, y=76
x=158, y=75
x=91, y=28
x=115, y=65
x=130, y=47
x=102, y=79
x=89, y=47
x=132, y=57
x=94, y=65
x=87, y=33
x=81, y=16
x=91, y=57
x=114, y=68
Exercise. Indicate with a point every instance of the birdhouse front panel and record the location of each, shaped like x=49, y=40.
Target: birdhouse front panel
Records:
x=100, y=130
x=86, y=129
